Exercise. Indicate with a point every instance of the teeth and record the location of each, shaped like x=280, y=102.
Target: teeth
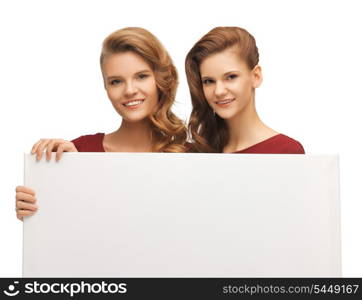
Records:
x=224, y=101
x=133, y=103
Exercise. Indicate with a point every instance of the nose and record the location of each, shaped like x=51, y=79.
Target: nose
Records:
x=220, y=89
x=130, y=89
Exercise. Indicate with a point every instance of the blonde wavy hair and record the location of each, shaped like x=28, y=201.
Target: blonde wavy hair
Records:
x=168, y=131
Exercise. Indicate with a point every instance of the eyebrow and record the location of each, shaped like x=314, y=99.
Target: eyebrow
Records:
x=234, y=71
x=113, y=77
x=118, y=76
x=225, y=74
x=144, y=71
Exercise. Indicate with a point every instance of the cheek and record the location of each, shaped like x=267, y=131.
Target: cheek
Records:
x=112, y=94
x=152, y=91
x=242, y=87
x=208, y=92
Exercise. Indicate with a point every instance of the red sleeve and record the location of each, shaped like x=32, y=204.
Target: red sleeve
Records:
x=278, y=144
x=292, y=147
x=89, y=143
x=285, y=145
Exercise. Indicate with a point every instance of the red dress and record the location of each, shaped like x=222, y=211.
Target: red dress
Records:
x=278, y=144
x=90, y=143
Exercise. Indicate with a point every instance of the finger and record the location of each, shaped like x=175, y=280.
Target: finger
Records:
x=35, y=147
x=24, y=213
x=59, y=153
x=25, y=189
x=41, y=148
x=18, y=216
x=49, y=149
x=71, y=147
x=20, y=196
x=21, y=205
x=64, y=147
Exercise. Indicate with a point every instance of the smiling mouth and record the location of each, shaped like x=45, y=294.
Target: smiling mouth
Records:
x=133, y=103
x=225, y=101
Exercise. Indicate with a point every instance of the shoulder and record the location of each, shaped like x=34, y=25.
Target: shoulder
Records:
x=89, y=143
x=277, y=144
x=288, y=145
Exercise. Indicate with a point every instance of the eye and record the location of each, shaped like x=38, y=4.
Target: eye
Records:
x=143, y=76
x=232, y=76
x=115, y=81
x=207, y=81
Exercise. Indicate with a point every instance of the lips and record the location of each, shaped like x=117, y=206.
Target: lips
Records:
x=224, y=102
x=133, y=103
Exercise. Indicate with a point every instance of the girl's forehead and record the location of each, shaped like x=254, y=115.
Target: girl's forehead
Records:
x=125, y=62
x=223, y=61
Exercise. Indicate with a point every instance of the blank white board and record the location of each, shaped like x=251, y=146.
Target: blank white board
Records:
x=183, y=215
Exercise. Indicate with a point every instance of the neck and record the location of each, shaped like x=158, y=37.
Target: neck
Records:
x=130, y=137
x=246, y=129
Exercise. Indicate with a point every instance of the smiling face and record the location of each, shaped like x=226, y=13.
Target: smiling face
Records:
x=131, y=85
x=228, y=83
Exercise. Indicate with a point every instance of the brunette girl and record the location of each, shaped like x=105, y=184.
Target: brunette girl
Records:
x=223, y=72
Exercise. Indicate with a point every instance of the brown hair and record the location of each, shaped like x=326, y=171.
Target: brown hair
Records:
x=168, y=131
x=208, y=131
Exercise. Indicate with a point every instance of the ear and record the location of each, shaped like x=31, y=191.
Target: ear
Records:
x=257, y=76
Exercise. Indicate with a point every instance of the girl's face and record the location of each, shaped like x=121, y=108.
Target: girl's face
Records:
x=228, y=83
x=130, y=85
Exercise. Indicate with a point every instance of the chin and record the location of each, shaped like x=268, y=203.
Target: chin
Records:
x=226, y=114
x=135, y=118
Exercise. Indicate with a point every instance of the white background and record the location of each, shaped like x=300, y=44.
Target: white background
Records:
x=51, y=85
